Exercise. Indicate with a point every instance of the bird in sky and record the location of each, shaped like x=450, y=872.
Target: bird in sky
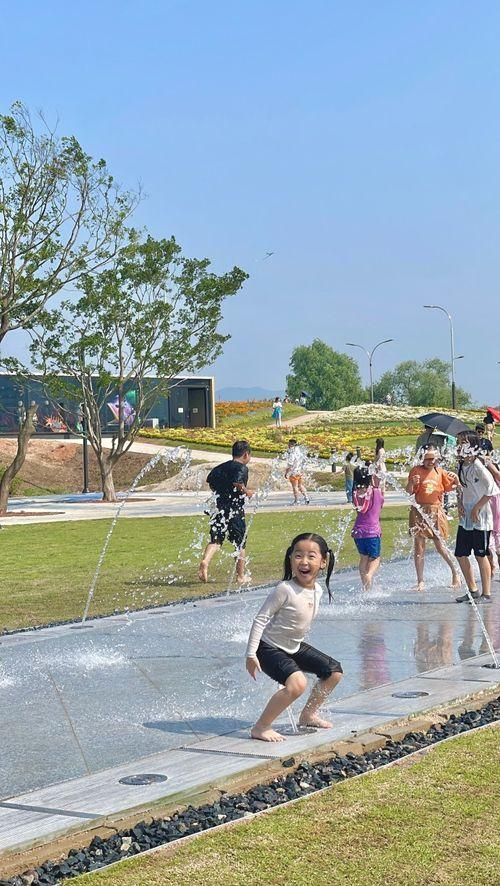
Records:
x=268, y=255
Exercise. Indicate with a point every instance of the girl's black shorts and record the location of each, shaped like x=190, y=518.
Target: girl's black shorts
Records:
x=279, y=665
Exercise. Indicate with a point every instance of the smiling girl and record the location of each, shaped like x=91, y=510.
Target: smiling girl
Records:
x=276, y=643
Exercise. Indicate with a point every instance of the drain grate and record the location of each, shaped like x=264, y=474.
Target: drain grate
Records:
x=415, y=693
x=80, y=627
x=143, y=779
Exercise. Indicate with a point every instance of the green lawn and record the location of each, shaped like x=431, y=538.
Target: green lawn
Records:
x=47, y=568
x=433, y=822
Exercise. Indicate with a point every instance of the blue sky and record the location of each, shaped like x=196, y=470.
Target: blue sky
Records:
x=359, y=141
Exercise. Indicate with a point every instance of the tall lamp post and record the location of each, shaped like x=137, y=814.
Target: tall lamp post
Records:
x=452, y=344
x=370, y=354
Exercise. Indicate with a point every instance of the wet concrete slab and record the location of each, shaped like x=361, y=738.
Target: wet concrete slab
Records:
x=166, y=690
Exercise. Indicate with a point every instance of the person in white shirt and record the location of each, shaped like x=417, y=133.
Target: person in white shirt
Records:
x=296, y=458
x=477, y=487
x=276, y=642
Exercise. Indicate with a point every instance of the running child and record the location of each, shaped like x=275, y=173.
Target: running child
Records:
x=276, y=642
x=366, y=532
x=228, y=481
x=295, y=459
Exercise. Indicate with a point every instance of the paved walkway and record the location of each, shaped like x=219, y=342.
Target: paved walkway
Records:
x=60, y=508
x=165, y=691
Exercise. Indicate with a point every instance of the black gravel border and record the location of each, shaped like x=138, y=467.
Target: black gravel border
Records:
x=306, y=779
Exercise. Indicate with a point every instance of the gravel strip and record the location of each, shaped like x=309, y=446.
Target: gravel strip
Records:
x=306, y=779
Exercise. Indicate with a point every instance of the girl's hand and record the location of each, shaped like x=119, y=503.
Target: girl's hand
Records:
x=253, y=666
x=416, y=482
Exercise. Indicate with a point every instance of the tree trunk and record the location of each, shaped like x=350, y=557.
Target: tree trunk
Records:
x=107, y=482
x=15, y=466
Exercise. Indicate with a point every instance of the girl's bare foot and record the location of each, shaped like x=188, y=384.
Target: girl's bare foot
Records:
x=420, y=586
x=315, y=721
x=203, y=571
x=264, y=734
x=455, y=581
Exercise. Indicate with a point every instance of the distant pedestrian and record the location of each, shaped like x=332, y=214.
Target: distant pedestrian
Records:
x=349, y=476
x=484, y=441
x=489, y=425
x=277, y=411
x=379, y=466
x=229, y=483
x=296, y=459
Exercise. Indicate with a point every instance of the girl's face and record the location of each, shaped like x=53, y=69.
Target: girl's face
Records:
x=306, y=561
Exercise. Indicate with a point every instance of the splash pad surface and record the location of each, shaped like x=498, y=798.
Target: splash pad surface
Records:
x=77, y=702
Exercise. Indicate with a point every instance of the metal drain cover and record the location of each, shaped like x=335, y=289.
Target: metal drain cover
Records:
x=143, y=779
x=415, y=693
x=80, y=627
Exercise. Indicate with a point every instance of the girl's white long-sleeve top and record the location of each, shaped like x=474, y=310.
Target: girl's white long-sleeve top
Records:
x=285, y=617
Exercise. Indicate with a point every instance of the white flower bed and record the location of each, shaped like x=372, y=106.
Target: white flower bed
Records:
x=380, y=413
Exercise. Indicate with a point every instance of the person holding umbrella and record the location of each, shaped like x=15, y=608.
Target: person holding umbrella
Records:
x=428, y=483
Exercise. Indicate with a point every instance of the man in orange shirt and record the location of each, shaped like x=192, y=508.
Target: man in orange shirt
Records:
x=428, y=483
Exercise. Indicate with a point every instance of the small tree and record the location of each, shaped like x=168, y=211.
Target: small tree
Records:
x=151, y=313
x=331, y=380
x=61, y=215
x=420, y=384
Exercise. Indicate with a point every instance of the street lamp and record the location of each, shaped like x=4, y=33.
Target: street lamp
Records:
x=453, y=358
x=370, y=354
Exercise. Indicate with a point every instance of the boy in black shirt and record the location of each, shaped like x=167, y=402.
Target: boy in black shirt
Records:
x=229, y=483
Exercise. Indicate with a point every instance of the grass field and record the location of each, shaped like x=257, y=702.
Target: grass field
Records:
x=434, y=822
x=47, y=568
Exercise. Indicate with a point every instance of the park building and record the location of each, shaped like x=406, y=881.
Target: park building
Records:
x=190, y=403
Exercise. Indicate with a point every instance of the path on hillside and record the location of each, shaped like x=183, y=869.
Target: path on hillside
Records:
x=305, y=419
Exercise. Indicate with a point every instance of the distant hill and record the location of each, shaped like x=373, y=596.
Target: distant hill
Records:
x=247, y=394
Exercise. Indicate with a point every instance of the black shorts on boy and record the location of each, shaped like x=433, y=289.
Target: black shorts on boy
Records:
x=226, y=524
x=468, y=540
x=280, y=665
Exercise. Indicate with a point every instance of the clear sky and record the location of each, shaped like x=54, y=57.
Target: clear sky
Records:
x=359, y=141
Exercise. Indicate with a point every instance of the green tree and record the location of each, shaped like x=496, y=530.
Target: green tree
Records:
x=420, y=384
x=331, y=379
x=61, y=216
x=151, y=314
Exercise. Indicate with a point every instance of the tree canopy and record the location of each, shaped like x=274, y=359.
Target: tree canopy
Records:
x=330, y=379
x=150, y=315
x=420, y=384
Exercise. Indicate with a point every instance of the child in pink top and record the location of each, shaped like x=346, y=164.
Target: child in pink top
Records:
x=368, y=501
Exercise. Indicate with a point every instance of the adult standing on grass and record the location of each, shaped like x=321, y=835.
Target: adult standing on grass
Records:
x=349, y=476
x=428, y=520
x=277, y=411
x=475, y=517
x=379, y=466
x=229, y=481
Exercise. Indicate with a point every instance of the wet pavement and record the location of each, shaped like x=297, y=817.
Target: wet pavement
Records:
x=78, y=701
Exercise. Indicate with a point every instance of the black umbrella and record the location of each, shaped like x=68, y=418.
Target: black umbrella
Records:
x=447, y=424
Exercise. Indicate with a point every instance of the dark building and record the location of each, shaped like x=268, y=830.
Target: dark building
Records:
x=190, y=404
